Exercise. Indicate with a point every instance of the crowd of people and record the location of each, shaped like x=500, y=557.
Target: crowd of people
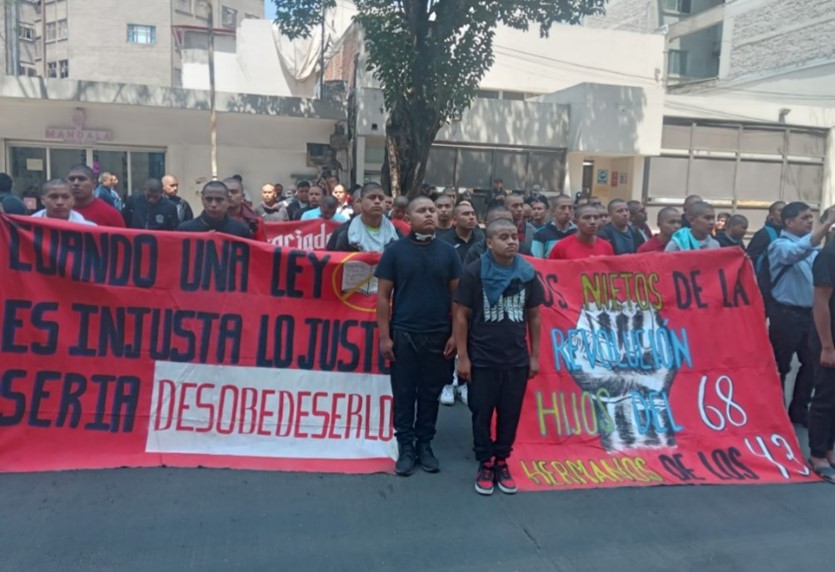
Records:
x=477, y=335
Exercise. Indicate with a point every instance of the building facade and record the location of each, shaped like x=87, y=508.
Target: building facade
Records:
x=764, y=49
x=122, y=41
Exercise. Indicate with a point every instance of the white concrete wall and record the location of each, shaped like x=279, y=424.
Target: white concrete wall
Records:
x=488, y=122
x=613, y=119
x=260, y=148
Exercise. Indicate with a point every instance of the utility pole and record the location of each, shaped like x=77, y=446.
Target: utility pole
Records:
x=43, y=38
x=322, y=56
x=213, y=112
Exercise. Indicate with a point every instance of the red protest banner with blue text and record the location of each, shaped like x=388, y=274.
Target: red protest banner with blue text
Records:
x=134, y=349
x=655, y=369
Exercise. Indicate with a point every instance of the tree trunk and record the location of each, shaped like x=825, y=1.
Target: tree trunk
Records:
x=410, y=131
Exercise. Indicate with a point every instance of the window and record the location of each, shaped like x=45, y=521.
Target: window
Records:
x=26, y=32
x=679, y=6
x=52, y=69
x=183, y=6
x=677, y=64
x=64, y=69
x=139, y=34
x=27, y=71
x=228, y=17
x=57, y=30
x=487, y=94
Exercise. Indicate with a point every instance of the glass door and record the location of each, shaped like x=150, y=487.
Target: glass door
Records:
x=114, y=162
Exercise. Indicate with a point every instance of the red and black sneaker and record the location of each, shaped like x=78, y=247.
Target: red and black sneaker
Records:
x=484, y=479
x=503, y=477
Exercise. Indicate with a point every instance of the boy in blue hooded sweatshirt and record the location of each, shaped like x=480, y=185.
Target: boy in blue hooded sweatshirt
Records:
x=496, y=307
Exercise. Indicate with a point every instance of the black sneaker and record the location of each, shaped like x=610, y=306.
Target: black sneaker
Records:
x=427, y=458
x=405, y=465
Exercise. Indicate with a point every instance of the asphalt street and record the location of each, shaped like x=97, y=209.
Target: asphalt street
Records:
x=200, y=519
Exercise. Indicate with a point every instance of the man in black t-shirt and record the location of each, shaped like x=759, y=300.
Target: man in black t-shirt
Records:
x=215, y=215
x=496, y=305
x=822, y=411
x=150, y=210
x=415, y=331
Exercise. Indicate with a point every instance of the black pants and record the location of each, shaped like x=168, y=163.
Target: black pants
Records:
x=822, y=411
x=501, y=391
x=419, y=373
x=789, y=330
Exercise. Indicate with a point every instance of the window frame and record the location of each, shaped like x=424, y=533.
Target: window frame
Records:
x=141, y=31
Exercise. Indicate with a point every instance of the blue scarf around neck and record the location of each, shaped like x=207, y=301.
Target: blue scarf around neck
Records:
x=496, y=278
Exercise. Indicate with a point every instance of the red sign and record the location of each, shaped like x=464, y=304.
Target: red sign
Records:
x=136, y=349
x=128, y=348
x=302, y=234
x=655, y=369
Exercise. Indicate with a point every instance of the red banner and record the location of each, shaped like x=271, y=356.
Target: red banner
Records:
x=136, y=349
x=302, y=234
x=144, y=349
x=655, y=369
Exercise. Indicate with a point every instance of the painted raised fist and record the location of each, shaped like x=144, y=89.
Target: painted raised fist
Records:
x=627, y=359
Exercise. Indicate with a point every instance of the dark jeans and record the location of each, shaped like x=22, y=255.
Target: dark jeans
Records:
x=789, y=330
x=419, y=373
x=501, y=391
x=822, y=411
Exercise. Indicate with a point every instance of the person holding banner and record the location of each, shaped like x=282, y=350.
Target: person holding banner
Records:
x=496, y=306
x=698, y=235
x=58, y=201
x=416, y=331
x=368, y=232
x=215, y=215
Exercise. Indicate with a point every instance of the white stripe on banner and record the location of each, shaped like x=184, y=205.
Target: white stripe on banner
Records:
x=261, y=412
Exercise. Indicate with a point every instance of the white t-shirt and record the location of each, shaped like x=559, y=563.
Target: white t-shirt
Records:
x=74, y=217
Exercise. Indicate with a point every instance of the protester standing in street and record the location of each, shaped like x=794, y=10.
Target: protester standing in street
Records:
x=733, y=232
x=791, y=258
x=669, y=222
x=369, y=231
x=270, y=209
x=215, y=215
x=10, y=203
x=618, y=232
x=241, y=212
x=417, y=278
x=697, y=235
x=822, y=410
x=150, y=210
x=496, y=308
x=585, y=242
x=58, y=201
x=171, y=187
x=82, y=179
x=561, y=226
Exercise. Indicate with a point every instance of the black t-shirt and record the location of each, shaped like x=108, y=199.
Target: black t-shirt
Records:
x=421, y=276
x=498, y=334
x=226, y=226
x=461, y=247
x=823, y=274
